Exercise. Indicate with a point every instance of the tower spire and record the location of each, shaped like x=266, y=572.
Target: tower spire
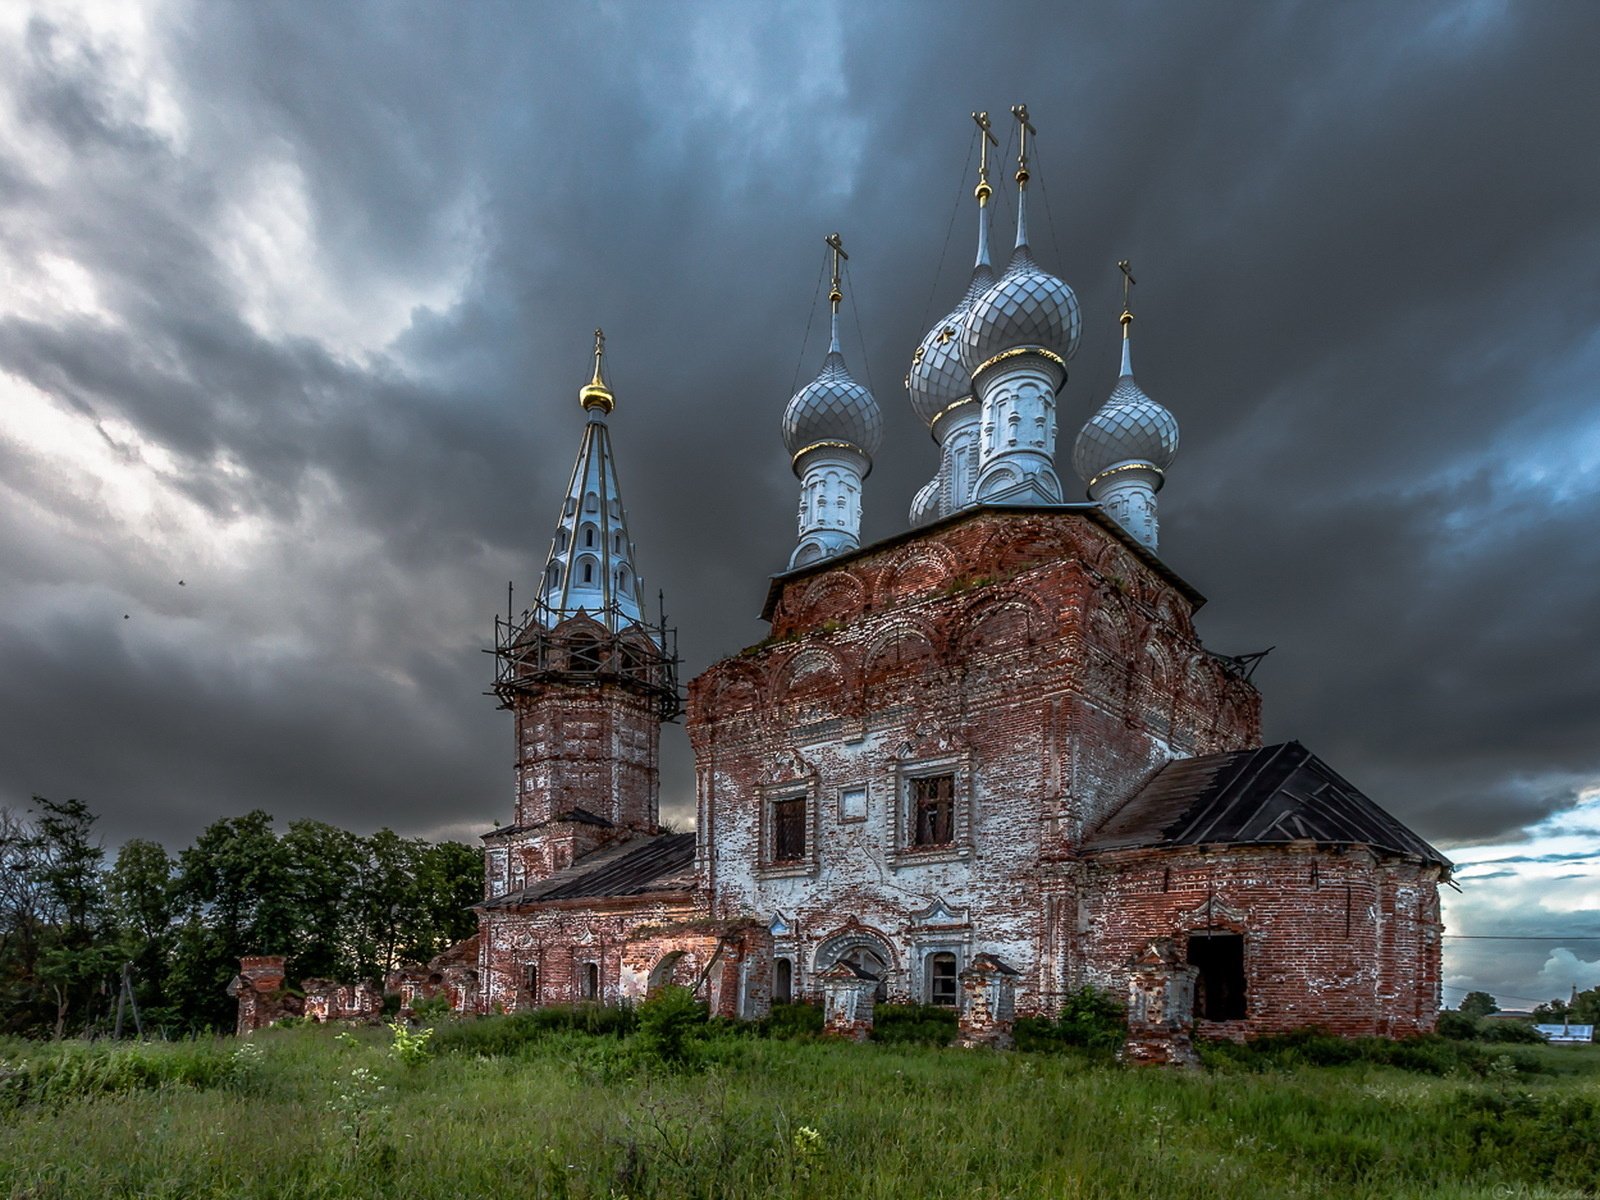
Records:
x=1020, y=112
x=835, y=292
x=596, y=393
x=1127, y=314
x=983, y=191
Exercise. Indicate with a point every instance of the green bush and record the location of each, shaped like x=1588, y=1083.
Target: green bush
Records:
x=796, y=1020
x=1517, y=1032
x=1430, y=1055
x=513, y=1032
x=914, y=1024
x=76, y=1070
x=1457, y=1026
x=1089, y=1019
x=668, y=1022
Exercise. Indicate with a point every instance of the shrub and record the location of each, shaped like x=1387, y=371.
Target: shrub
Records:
x=1089, y=1019
x=797, y=1020
x=1458, y=1027
x=668, y=1021
x=914, y=1024
x=1518, y=1032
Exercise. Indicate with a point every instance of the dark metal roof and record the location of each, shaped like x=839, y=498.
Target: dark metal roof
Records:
x=632, y=868
x=581, y=815
x=1271, y=796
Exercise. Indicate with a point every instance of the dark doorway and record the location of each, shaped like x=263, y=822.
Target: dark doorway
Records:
x=782, y=981
x=1220, y=990
x=590, y=982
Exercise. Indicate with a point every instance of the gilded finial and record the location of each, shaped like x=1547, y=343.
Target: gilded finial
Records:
x=835, y=295
x=983, y=191
x=595, y=393
x=1127, y=304
x=1020, y=112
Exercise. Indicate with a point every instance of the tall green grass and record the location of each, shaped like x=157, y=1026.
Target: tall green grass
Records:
x=544, y=1108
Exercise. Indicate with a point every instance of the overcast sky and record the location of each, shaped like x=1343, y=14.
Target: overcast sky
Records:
x=295, y=300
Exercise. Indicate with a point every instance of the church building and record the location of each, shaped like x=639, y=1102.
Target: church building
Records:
x=990, y=742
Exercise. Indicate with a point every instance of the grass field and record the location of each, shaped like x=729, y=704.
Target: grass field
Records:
x=499, y=1109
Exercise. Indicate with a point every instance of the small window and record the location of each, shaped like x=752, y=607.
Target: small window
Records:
x=933, y=810
x=622, y=579
x=589, y=983
x=1220, y=990
x=530, y=981
x=942, y=979
x=588, y=537
x=616, y=543
x=782, y=981
x=591, y=503
x=588, y=571
x=561, y=540
x=789, y=829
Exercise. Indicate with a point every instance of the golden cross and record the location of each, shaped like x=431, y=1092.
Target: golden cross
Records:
x=988, y=138
x=1127, y=281
x=599, y=349
x=837, y=245
x=1020, y=112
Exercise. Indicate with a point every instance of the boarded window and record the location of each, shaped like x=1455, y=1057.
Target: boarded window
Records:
x=789, y=829
x=933, y=810
x=942, y=979
x=589, y=983
x=782, y=981
x=1220, y=989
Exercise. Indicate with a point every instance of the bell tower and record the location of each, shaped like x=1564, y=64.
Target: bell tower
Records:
x=587, y=677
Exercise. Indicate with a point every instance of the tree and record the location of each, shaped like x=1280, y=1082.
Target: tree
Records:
x=1478, y=1004
x=139, y=895
x=79, y=957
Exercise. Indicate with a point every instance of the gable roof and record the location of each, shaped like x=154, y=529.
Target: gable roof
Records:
x=1271, y=796
x=632, y=868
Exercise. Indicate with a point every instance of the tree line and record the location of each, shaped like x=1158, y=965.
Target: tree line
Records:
x=338, y=905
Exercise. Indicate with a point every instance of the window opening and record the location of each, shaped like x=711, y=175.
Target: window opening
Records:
x=1220, y=989
x=588, y=572
x=933, y=810
x=942, y=979
x=588, y=537
x=530, y=980
x=789, y=829
x=782, y=981
x=585, y=653
x=591, y=981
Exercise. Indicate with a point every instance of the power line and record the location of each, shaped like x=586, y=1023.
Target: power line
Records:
x=1524, y=937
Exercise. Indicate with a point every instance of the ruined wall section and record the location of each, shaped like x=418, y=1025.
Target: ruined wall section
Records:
x=592, y=744
x=1030, y=655
x=621, y=951
x=1332, y=938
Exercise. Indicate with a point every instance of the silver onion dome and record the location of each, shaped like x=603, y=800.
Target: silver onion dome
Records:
x=833, y=409
x=1028, y=308
x=1129, y=428
x=938, y=377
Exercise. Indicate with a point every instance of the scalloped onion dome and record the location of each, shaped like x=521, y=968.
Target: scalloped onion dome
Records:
x=1027, y=307
x=1130, y=427
x=938, y=377
x=833, y=407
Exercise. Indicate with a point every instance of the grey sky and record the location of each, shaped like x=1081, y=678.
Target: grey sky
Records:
x=295, y=299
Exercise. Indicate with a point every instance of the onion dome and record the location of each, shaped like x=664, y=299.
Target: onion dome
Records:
x=1130, y=427
x=925, y=504
x=1027, y=309
x=938, y=378
x=833, y=409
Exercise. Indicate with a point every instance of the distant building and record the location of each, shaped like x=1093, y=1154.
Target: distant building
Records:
x=1558, y=1035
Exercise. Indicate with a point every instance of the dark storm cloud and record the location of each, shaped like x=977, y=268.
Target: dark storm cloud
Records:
x=1366, y=237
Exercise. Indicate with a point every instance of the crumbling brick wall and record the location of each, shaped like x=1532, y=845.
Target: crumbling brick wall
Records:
x=1035, y=656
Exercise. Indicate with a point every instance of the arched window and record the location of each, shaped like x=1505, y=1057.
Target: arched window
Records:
x=622, y=579
x=616, y=542
x=782, y=981
x=530, y=981
x=561, y=540
x=552, y=576
x=591, y=503
x=870, y=961
x=942, y=979
x=589, y=982
x=588, y=570
x=588, y=537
